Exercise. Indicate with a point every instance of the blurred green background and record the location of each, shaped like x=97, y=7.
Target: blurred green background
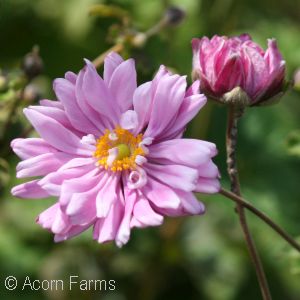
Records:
x=193, y=257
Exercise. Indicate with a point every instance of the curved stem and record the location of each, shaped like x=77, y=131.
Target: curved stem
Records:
x=231, y=141
x=262, y=216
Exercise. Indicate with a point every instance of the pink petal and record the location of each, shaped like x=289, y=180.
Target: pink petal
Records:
x=209, y=57
x=111, y=62
x=82, y=207
x=142, y=101
x=123, y=233
x=194, y=89
x=65, y=92
x=56, y=134
x=208, y=169
x=58, y=115
x=31, y=147
x=71, y=76
x=46, y=218
x=78, y=162
x=61, y=223
x=256, y=71
x=123, y=83
x=190, y=203
x=144, y=213
x=77, y=185
x=161, y=73
x=52, y=182
x=231, y=75
x=97, y=94
x=106, y=229
x=100, y=121
x=176, y=176
x=160, y=194
x=188, y=110
x=187, y=152
x=51, y=103
x=72, y=232
x=208, y=185
x=42, y=164
x=31, y=190
x=54, y=220
x=107, y=194
x=170, y=93
x=196, y=54
x=273, y=57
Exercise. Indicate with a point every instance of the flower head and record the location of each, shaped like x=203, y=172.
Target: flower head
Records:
x=224, y=63
x=112, y=152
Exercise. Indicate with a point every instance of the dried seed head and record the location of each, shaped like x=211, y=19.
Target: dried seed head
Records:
x=174, y=15
x=32, y=64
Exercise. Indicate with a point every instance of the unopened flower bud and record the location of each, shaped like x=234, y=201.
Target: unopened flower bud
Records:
x=139, y=39
x=225, y=63
x=32, y=64
x=32, y=93
x=174, y=15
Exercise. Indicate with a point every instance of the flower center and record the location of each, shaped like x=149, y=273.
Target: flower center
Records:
x=119, y=149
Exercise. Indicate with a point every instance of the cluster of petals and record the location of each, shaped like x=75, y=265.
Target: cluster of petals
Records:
x=65, y=160
x=224, y=63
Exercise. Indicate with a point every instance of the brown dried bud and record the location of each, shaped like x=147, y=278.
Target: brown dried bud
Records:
x=174, y=15
x=32, y=93
x=32, y=64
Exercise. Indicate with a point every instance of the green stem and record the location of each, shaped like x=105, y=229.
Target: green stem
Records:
x=262, y=216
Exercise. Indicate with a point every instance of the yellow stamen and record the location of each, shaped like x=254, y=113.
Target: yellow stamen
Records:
x=127, y=145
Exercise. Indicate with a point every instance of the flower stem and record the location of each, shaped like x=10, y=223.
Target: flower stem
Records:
x=98, y=61
x=235, y=112
x=262, y=216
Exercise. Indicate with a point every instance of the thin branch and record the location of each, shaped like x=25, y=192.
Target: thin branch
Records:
x=231, y=143
x=262, y=216
x=98, y=61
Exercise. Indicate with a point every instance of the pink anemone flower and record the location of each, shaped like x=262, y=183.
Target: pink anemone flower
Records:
x=112, y=152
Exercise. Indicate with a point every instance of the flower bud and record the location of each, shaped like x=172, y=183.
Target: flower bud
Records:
x=32, y=64
x=32, y=93
x=174, y=15
x=139, y=40
x=223, y=64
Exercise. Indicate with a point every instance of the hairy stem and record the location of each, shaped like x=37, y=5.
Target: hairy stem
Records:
x=231, y=143
x=262, y=216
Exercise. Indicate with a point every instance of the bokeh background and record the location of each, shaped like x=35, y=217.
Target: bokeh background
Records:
x=191, y=258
